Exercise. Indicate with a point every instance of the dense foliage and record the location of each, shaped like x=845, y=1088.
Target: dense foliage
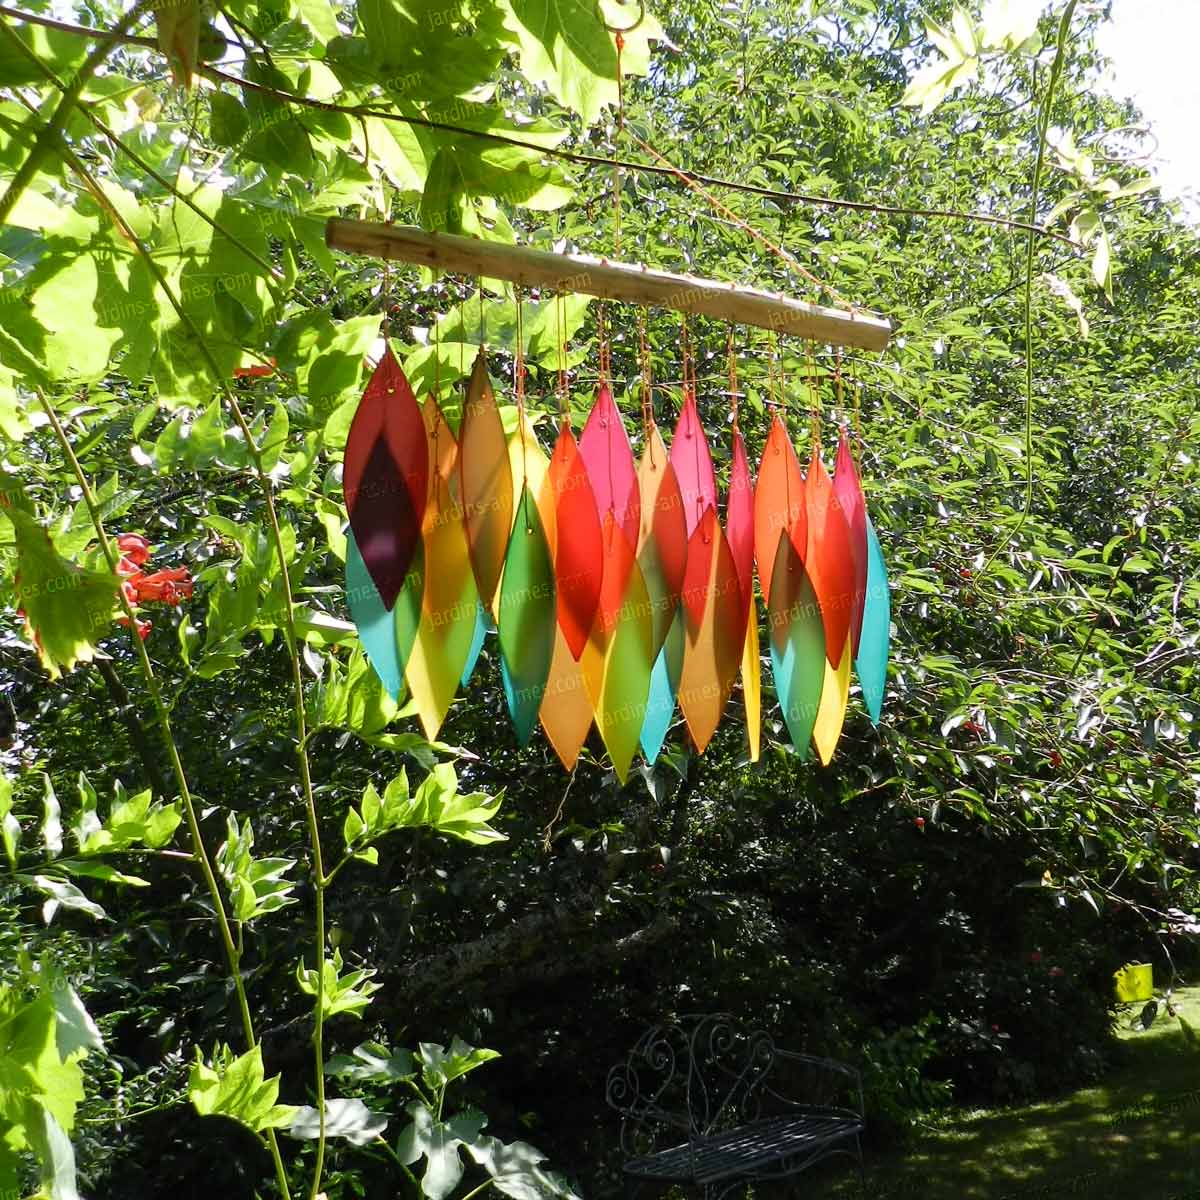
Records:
x=180, y=356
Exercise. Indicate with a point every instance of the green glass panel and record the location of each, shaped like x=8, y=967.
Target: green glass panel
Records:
x=872, y=660
x=797, y=644
x=527, y=617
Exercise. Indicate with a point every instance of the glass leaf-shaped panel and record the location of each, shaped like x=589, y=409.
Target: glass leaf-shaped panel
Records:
x=627, y=667
x=578, y=558
x=450, y=600
x=848, y=489
x=376, y=629
x=739, y=522
x=485, y=483
x=752, y=687
x=606, y=452
x=662, y=540
x=778, y=502
x=711, y=659
x=384, y=477
x=871, y=663
x=831, y=712
x=828, y=560
x=566, y=709
x=692, y=460
x=526, y=619
x=664, y=684
x=797, y=644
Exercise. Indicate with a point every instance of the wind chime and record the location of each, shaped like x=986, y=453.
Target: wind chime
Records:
x=617, y=592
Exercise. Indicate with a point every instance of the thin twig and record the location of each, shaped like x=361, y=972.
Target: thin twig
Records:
x=231, y=950
x=588, y=160
x=1064, y=30
x=50, y=132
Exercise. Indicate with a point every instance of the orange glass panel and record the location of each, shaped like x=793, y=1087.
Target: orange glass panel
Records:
x=485, y=481
x=712, y=657
x=578, y=559
x=778, y=502
x=662, y=540
x=829, y=560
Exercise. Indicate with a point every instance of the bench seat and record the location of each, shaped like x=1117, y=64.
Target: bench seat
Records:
x=745, y=1150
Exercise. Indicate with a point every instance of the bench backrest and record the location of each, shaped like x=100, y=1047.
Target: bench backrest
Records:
x=693, y=1077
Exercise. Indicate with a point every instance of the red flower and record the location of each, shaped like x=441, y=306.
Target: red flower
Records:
x=255, y=370
x=919, y=822
x=143, y=627
x=1057, y=972
x=1036, y=956
x=134, y=547
x=169, y=586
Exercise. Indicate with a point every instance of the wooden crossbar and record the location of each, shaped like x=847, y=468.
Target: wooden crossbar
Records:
x=610, y=280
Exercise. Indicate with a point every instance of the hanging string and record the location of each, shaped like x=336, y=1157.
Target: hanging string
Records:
x=772, y=397
x=856, y=395
x=647, y=395
x=731, y=364
x=564, y=411
x=605, y=348
x=462, y=337
x=783, y=255
x=814, y=392
x=482, y=321
x=519, y=390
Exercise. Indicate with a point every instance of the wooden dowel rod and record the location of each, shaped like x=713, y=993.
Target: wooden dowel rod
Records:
x=610, y=280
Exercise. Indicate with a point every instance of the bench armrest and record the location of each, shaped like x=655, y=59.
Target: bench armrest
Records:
x=830, y=1066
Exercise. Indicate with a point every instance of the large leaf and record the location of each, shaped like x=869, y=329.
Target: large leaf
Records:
x=438, y=1143
x=565, y=45
x=67, y=607
x=349, y=1119
x=516, y=1170
x=236, y=1088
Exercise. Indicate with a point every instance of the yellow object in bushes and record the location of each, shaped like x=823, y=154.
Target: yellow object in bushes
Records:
x=1134, y=981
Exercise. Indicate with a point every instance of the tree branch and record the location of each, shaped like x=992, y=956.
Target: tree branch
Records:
x=589, y=160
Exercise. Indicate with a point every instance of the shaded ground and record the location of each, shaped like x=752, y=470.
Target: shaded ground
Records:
x=1136, y=1136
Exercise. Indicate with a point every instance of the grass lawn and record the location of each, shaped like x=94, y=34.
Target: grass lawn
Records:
x=1135, y=1136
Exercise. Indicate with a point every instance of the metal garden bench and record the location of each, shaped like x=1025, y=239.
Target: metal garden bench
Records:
x=710, y=1102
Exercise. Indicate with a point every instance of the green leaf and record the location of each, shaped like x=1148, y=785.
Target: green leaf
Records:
x=13, y=422
x=228, y=120
x=371, y=1061
x=437, y=1142
x=565, y=45
x=1102, y=263
x=256, y=886
x=349, y=993
x=31, y=1065
x=61, y=893
x=236, y=1088
x=349, y=1119
x=101, y=871
x=516, y=1170
x=75, y=1029
x=132, y=821
x=52, y=830
x=67, y=608
x=10, y=827
x=49, y=1141
x=439, y=1067
x=55, y=49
